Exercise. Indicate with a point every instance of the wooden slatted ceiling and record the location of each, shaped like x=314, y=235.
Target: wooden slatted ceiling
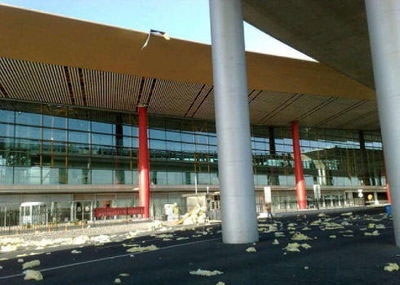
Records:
x=28, y=81
x=33, y=81
x=205, y=108
x=174, y=98
x=116, y=91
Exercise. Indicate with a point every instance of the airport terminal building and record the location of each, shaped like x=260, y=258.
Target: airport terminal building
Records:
x=69, y=127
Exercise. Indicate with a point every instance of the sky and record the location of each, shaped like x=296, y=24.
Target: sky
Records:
x=182, y=19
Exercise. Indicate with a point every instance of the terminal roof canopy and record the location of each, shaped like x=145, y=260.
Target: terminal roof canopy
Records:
x=43, y=58
x=334, y=32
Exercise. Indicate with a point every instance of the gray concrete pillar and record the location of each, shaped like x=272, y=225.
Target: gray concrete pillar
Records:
x=384, y=33
x=238, y=206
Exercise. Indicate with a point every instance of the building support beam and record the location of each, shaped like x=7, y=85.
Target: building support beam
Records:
x=239, y=218
x=383, y=21
x=364, y=175
x=143, y=162
x=273, y=177
x=301, y=193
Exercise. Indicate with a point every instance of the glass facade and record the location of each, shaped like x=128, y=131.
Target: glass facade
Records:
x=43, y=144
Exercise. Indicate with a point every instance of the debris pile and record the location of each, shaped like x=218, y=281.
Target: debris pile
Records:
x=194, y=217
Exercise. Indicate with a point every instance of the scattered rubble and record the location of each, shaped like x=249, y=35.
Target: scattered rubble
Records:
x=202, y=272
x=30, y=264
x=391, y=267
x=142, y=248
x=33, y=275
x=251, y=249
x=300, y=236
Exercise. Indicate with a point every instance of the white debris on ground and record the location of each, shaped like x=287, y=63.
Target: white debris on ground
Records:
x=208, y=273
x=275, y=242
x=374, y=233
x=194, y=217
x=391, y=267
x=347, y=214
x=76, y=251
x=300, y=236
x=291, y=227
x=295, y=247
x=117, y=281
x=329, y=226
x=306, y=267
x=332, y=236
x=20, y=260
x=182, y=238
x=33, y=275
x=220, y=283
x=30, y=264
x=42, y=242
x=142, y=248
x=251, y=249
x=279, y=234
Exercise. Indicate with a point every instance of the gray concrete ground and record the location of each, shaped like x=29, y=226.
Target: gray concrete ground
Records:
x=351, y=247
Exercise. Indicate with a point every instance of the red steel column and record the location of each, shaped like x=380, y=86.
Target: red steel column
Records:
x=301, y=195
x=388, y=194
x=143, y=162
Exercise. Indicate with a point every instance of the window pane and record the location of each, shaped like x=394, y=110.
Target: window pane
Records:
x=187, y=137
x=102, y=176
x=78, y=137
x=130, y=131
x=28, y=132
x=54, y=135
x=6, y=116
x=102, y=128
x=6, y=130
x=173, y=136
x=157, y=144
x=103, y=139
x=28, y=118
x=54, y=122
x=157, y=134
x=75, y=124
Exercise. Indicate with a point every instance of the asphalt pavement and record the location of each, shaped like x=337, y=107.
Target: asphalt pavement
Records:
x=338, y=248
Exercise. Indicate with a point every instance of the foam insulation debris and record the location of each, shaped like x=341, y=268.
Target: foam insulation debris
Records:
x=33, y=275
x=194, y=217
x=142, y=248
x=124, y=274
x=202, y=272
x=279, y=234
x=295, y=247
x=251, y=249
x=30, y=264
x=391, y=267
x=374, y=233
x=300, y=236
